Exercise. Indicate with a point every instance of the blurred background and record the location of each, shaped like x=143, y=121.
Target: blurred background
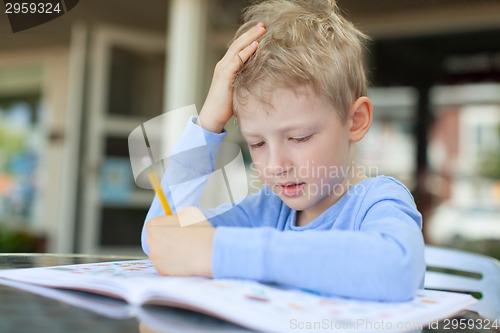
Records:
x=72, y=89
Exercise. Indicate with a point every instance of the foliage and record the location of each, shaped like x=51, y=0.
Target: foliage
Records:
x=15, y=241
x=490, y=163
x=488, y=247
x=490, y=166
x=11, y=142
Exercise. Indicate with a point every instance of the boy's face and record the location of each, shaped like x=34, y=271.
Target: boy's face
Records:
x=299, y=146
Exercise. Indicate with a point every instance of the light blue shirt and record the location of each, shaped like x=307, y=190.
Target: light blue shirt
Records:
x=368, y=245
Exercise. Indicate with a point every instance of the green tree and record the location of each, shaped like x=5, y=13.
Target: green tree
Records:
x=490, y=163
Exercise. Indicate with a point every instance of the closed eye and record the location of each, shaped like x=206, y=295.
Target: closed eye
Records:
x=302, y=139
x=257, y=145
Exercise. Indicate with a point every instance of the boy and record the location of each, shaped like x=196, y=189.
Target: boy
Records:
x=294, y=79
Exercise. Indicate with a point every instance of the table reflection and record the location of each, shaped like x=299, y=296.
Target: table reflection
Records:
x=26, y=312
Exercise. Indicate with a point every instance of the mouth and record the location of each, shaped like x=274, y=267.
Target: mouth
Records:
x=291, y=190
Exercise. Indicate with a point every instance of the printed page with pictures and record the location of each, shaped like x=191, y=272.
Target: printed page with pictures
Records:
x=247, y=303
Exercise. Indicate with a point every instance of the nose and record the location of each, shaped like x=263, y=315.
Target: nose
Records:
x=278, y=162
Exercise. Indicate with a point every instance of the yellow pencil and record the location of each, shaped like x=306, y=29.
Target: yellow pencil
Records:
x=155, y=182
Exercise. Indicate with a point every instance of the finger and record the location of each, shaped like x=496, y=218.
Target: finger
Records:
x=248, y=36
x=247, y=52
x=163, y=221
x=242, y=57
x=245, y=39
x=156, y=261
x=154, y=222
x=239, y=58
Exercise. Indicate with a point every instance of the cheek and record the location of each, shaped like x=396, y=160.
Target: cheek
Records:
x=258, y=164
x=261, y=171
x=322, y=162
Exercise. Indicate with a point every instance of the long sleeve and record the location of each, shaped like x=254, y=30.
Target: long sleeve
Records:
x=374, y=249
x=191, y=159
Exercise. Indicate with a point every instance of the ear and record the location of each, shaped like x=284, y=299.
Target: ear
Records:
x=360, y=118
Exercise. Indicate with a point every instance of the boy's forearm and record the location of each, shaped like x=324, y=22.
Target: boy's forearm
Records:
x=342, y=263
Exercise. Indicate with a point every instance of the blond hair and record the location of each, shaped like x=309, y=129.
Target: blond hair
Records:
x=307, y=42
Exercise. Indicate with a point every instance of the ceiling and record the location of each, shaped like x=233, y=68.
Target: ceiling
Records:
x=398, y=18
x=380, y=18
x=141, y=14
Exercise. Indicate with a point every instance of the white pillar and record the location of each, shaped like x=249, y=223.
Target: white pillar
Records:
x=71, y=159
x=185, y=53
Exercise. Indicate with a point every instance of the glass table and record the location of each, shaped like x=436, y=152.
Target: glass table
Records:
x=21, y=311
x=24, y=312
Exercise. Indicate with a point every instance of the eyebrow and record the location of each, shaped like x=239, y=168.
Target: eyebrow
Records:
x=249, y=134
x=283, y=130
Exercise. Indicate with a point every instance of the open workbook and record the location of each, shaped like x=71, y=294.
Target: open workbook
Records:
x=126, y=288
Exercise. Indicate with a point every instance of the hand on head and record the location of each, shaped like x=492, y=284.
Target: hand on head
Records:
x=218, y=107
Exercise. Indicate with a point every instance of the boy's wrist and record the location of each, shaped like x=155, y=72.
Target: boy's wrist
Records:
x=210, y=124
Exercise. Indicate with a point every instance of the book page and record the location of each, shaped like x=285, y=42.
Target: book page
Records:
x=273, y=309
x=106, y=278
x=247, y=303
